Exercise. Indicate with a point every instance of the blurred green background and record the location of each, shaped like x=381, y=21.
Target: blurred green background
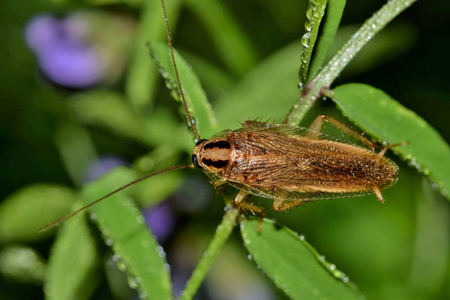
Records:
x=61, y=125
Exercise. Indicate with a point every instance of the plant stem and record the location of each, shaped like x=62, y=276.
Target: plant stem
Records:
x=223, y=232
x=329, y=73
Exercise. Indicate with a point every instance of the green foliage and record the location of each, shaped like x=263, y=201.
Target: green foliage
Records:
x=293, y=264
x=123, y=227
x=377, y=245
x=75, y=241
x=18, y=212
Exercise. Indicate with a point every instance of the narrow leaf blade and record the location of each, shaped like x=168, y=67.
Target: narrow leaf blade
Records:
x=22, y=213
x=123, y=228
x=197, y=102
x=73, y=262
x=335, y=9
x=293, y=264
x=314, y=15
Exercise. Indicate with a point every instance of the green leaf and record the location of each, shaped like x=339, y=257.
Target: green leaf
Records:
x=335, y=9
x=22, y=264
x=197, y=102
x=314, y=15
x=76, y=149
x=386, y=119
x=30, y=208
x=431, y=251
x=123, y=228
x=109, y=110
x=295, y=267
x=72, y=268
x=210, y=74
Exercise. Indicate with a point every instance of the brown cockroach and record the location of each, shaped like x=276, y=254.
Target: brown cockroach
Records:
x=286, y=163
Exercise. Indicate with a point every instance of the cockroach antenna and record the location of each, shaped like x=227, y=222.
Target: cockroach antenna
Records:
x=174, y=63
x=68, y=216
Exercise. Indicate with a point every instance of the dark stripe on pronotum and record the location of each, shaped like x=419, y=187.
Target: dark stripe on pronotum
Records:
x=216, y=163
x=220, y=145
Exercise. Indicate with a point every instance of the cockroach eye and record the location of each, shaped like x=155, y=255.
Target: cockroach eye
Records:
x=195, y=161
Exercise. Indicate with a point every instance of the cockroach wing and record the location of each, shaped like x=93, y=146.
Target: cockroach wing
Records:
x=281, y=161
x=285, y=129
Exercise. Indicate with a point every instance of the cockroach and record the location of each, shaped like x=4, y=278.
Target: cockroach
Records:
x=289, y=164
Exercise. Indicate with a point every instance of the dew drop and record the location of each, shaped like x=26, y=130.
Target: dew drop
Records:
x=116, y=257
x=121, y=265
x=109, y=242
x=308, y=25
x=140, y=219
x=142, y=295
x=161, y=252
x=94, y=217
x=306, y=38
x=304, y=59
x=163, y=72
x=316, y=12
x=333, y=267
x=302, y=237
x=250, y=257
x=166, y=267
x=133, y=282
x=309, y=13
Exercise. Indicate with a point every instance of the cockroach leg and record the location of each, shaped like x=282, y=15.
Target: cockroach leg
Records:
x=219, y=182
x=377, y=192
x=386, y=148
x=383, y=151
x=260, y=223
x=282, y=205
x=239, y=202
x=316, y=127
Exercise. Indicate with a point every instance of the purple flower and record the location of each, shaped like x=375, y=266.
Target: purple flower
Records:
x=41, y=32
x=101, y=166
x=71, y=65
x=161, y=220
x=62, y=53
